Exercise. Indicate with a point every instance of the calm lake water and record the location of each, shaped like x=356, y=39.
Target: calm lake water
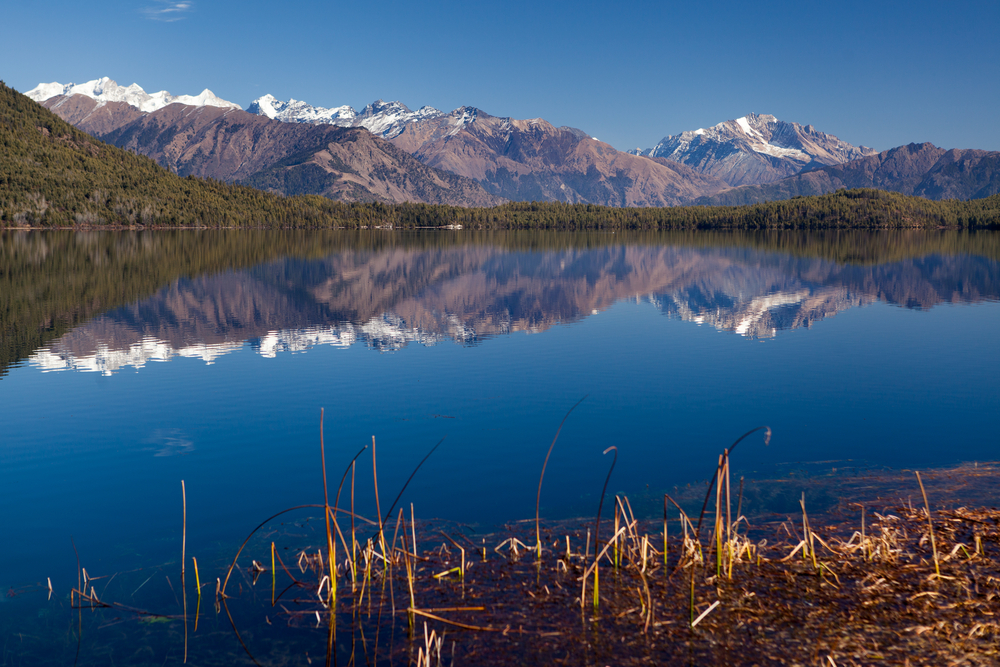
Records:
x=132, y=361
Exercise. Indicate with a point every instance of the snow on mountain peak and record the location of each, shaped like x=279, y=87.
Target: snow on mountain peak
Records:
x=297, y=111
x=461, y=117
x=753, y=149
x=386, y=119
x=106, y=90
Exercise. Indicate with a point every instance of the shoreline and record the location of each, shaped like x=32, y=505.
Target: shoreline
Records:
x=812, y=588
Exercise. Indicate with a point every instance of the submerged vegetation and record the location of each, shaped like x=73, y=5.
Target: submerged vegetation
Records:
x=54, y=175
x=884, y=579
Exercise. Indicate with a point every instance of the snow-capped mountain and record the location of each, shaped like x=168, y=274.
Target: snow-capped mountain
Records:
x=105, y=90
x=515, y=159
x=755, y=149
x=388, y=119
x=297, y=111
x=385, y=119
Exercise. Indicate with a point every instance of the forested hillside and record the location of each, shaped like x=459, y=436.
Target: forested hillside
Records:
x=53, y=175
x=845, y=209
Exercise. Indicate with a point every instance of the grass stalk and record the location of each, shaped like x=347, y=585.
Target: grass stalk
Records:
x=354, y=540
x=739, y=502
x=331, y=546
x=408, y=479
x=930, y=526
x=183, y=560
x=664, y=532
x=600, y=505
x=718, y=518
x=409, y=569
x=864, y=542
x=614, y=552
x=378, y=509
x=594, y=566
x=413, y=528
x=538, y=498
x=810, y=544
x=730, y=543
x=708, y=494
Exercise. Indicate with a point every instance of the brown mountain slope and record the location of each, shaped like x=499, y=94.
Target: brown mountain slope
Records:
x=90, y=116
x=923, y=170
x=533, y=160
x=232, y=145
x=358, y=166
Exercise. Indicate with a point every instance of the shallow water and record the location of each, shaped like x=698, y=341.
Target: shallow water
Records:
x=134, y=361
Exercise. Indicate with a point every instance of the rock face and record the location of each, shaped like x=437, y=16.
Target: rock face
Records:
x=532, y=160
x=91, y=116
x=755, y=149
x=523, y=160
x=232, y=145
x=923, y=170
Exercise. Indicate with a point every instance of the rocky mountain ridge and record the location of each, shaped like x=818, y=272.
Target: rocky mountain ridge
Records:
x=922, y=170
x=531, y=159
x=235, y=146
x=515, y=159
x=522, y=160
x=510, y=158
x=385, y=119
x=755, y=149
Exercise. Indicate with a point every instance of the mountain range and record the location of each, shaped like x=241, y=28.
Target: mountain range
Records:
x=229, y=144
x=467, y=157
x=923, y=170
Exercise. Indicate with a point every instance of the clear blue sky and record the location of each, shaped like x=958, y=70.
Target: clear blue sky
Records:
x=876, y=73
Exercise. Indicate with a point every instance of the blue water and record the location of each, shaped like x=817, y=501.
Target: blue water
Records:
x=99, y=457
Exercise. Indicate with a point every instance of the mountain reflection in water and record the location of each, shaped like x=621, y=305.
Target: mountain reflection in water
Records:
x=387, y=298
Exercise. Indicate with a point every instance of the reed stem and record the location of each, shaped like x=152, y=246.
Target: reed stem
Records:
x=538, y=498
x=183, y=561
x=664, y=532
x=930, y=525
x=600, y=505
x=331, y=546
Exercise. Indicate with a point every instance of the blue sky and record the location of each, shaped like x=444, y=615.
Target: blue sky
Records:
x=875, y=73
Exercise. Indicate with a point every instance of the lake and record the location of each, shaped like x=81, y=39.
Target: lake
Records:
x=134, y=360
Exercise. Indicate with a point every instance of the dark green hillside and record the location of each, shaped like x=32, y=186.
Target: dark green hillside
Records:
x=52, y=174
